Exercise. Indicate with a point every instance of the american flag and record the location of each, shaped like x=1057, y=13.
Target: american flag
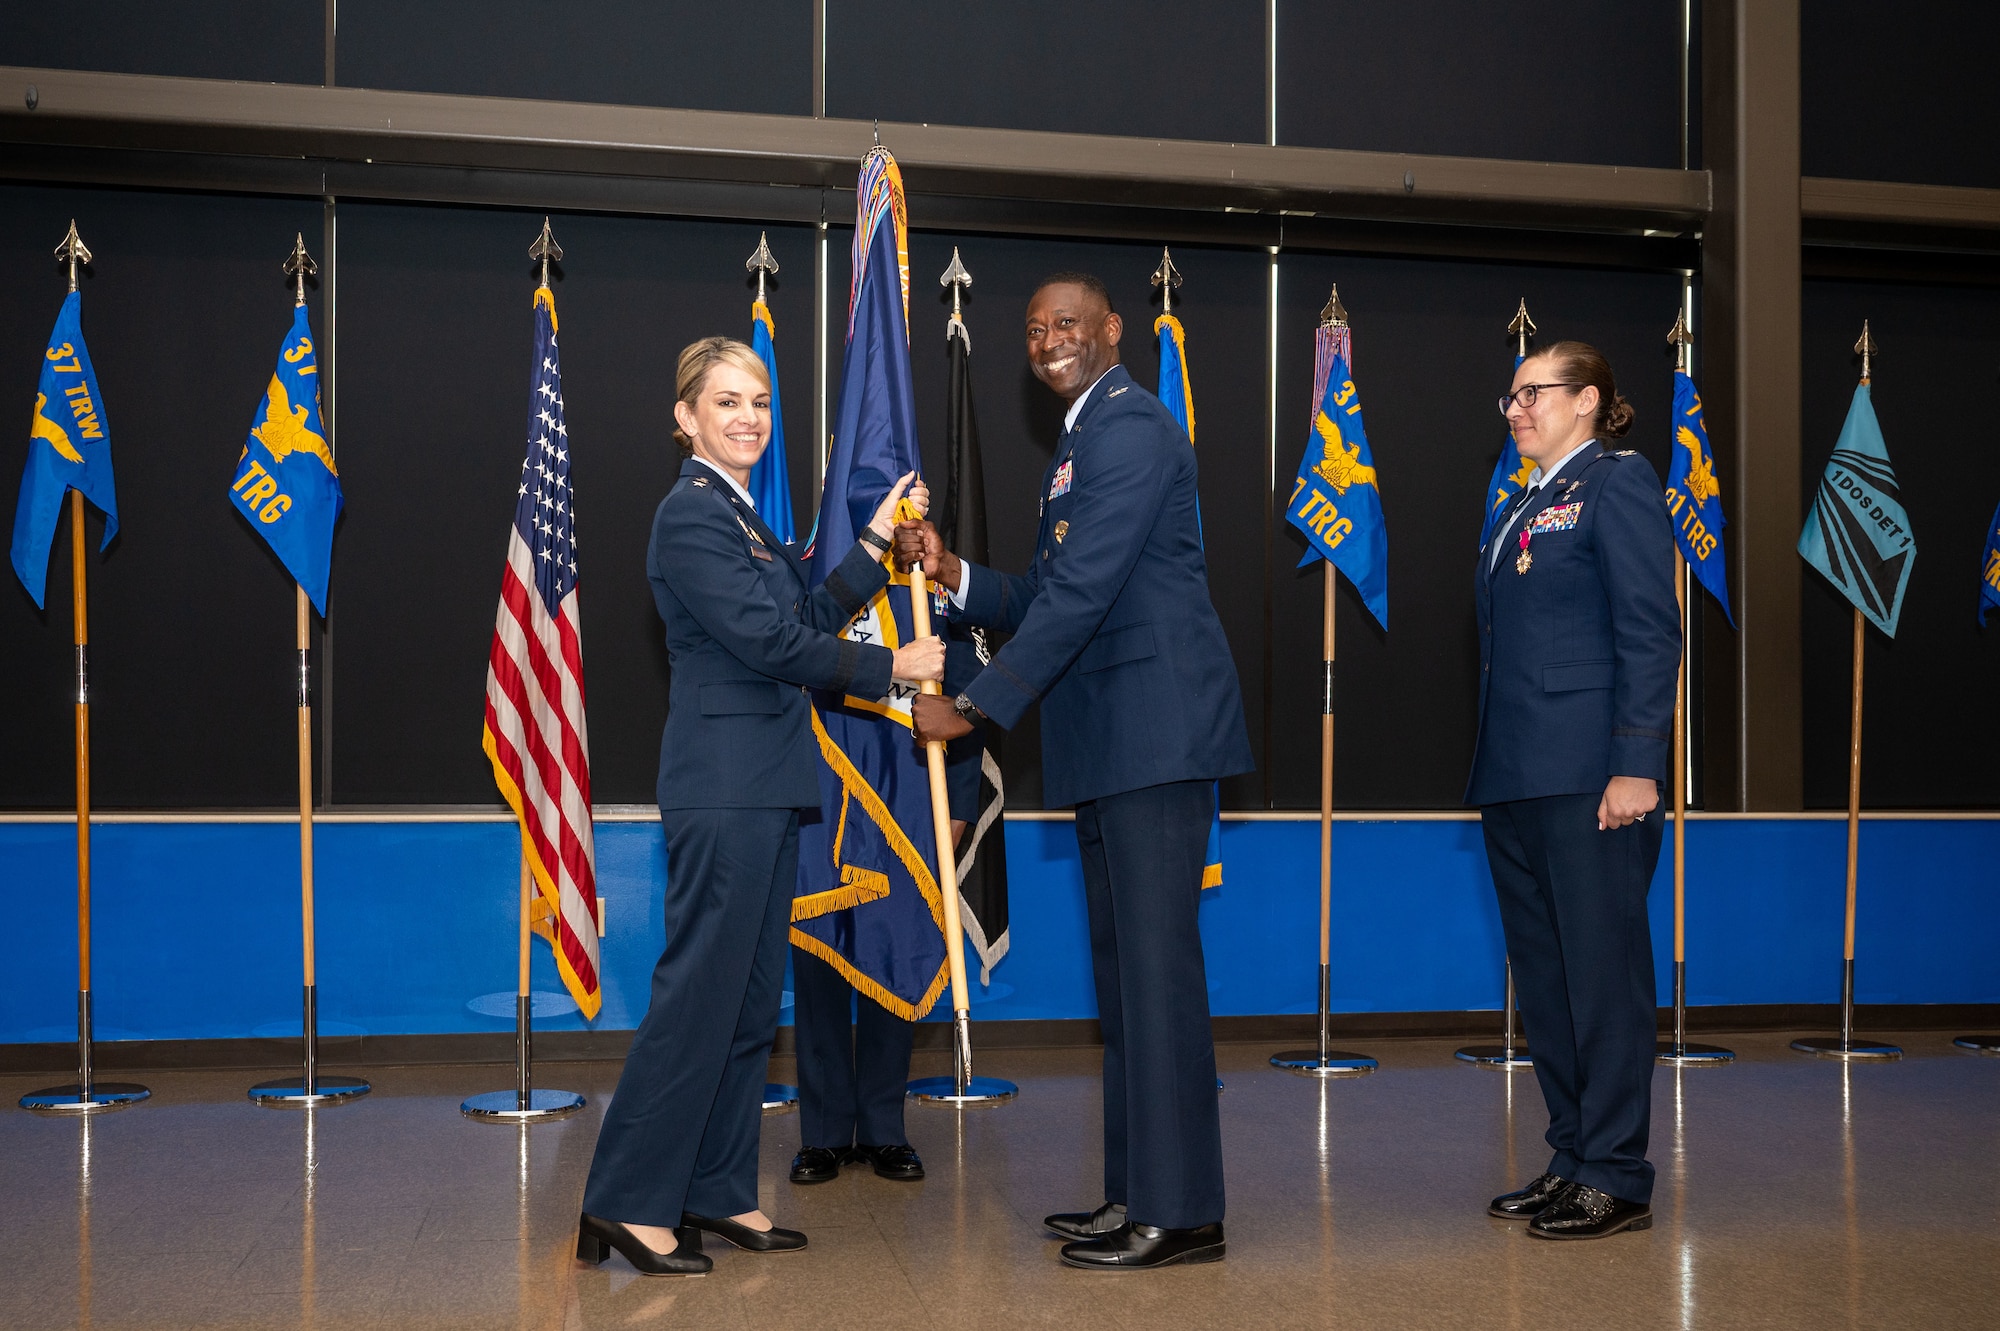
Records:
x=535, y=731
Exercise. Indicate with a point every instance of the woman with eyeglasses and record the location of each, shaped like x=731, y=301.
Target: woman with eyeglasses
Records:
x=1579, y=651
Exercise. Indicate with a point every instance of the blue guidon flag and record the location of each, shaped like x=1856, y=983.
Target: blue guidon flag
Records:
x=867, y=900
x=1694, y=498
x=770, y=479
x=1857, y=533
x=1510, y=473
x=1177, y=396
x=69, y=448
x=1335, y=499
x=286, y=486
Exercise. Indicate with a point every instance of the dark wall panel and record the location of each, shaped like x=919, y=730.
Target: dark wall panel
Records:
x=740, y=57
x=435, y=340
x=1904, y=96
x=1431, y=355
x=1548, y=80
x=1928, y=733
x=191, y=617
x=264, y=41
x=1179, y=69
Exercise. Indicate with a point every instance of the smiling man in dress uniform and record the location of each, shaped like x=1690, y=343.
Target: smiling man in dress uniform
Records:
x=1114, y=634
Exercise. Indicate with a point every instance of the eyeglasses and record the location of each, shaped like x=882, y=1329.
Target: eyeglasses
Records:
x=1526, y=395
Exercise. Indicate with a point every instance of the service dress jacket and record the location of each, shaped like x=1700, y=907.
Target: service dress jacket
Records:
x=745, y=640
x=1578, y=655
x=1113, y=628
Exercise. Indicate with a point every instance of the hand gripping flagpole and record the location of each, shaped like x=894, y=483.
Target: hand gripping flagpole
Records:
x=1679, y=1052
x=310, y=1088
x=525, y=1104
x=1844, y=1046
x=1321, y=1061
x=1508, y=1053
x=961, y=1088
x=88, y=1095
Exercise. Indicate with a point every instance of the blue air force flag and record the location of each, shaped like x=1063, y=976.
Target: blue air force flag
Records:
x=1177, y=396
x=1857, y=533
x=286, y=486
x=867, y=901
x=69, y=448
x=1510, y=473
x=1335, y=500
x=1989, y=571
x=1693, y=496
x=770, y=481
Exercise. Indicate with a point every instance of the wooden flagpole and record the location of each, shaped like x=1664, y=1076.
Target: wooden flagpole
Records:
x=88, y=1094
x=1678, y=1052
x=309, y=1088
x=1845, y=1046
x=1321, y=1061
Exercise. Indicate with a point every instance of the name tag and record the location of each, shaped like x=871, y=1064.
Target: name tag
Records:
x=759, y=552
x=1064, y=475
x=1560, y=517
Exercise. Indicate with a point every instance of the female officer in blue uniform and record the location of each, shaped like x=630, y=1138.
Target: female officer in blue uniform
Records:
x=677, y=1153
x=1579, y=647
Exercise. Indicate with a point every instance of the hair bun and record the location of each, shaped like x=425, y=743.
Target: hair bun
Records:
x=1618, y=417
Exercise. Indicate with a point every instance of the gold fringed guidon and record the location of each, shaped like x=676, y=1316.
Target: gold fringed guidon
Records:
x=872, y=988
x=858, y=886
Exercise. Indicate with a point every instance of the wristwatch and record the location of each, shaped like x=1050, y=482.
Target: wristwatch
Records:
x=963, y=706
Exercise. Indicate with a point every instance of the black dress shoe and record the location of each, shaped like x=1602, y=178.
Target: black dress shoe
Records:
x=896, y=1162
x=1528, y=1200
x=1086, y=1224
x=595, y=1238
x=1138, y=1247
x=751, y=1240
x=1585, y=1213
x=817, y=1164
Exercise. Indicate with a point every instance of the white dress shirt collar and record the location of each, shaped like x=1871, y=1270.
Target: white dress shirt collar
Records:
x=1540, y=477
x=1076, y=407
x=730, y=481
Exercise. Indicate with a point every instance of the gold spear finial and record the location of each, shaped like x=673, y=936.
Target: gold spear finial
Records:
x=73, y=250
x=762, y=264
x=299, y=265
x=1334, y=315
x=545, y=249
x=1166, y=277
x=1866, y=348
x=957, y=279
x=1522, y=328
x=1679, y=338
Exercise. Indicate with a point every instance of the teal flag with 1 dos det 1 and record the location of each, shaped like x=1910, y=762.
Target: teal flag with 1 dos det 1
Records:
x=286, y=486
x=1694, y=499
x=1335, y=499
x=69, y=448
x=1857, y=533
x=1177, y=396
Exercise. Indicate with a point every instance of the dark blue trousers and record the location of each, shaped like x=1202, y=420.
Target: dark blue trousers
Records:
x=1573, y=905
x=680, y=1133
x=854, y=1060
x=1142, y=861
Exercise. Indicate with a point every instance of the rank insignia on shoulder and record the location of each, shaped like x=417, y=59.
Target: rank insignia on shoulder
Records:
x=1116, y=391
x=1062, y=529
x=700, y=481
x=1626, y=453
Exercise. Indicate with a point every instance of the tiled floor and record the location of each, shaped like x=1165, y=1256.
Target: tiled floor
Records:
x=1793, y=1193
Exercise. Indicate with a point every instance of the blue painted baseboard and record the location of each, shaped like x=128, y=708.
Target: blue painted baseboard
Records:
x=197, y=933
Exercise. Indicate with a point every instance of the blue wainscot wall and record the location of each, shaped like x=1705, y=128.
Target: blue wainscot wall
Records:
x=197, y=924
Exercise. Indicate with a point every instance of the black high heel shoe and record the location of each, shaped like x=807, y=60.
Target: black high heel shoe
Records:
x=752, y=1240
x=595, y=1238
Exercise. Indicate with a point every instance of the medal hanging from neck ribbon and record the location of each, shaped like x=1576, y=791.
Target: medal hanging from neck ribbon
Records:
x=1524, y=561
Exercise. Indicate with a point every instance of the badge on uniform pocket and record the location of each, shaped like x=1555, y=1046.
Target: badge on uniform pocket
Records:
x=1062, y=529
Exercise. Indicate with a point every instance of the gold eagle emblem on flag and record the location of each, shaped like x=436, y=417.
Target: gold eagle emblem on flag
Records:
x=1701, y=483
x=284, y=429
x=1340, y=466
x=58, y=438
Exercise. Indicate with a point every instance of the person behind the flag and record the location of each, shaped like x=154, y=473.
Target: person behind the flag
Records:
x=1579, y=648
x=677, y=1154
x=1115, y=636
